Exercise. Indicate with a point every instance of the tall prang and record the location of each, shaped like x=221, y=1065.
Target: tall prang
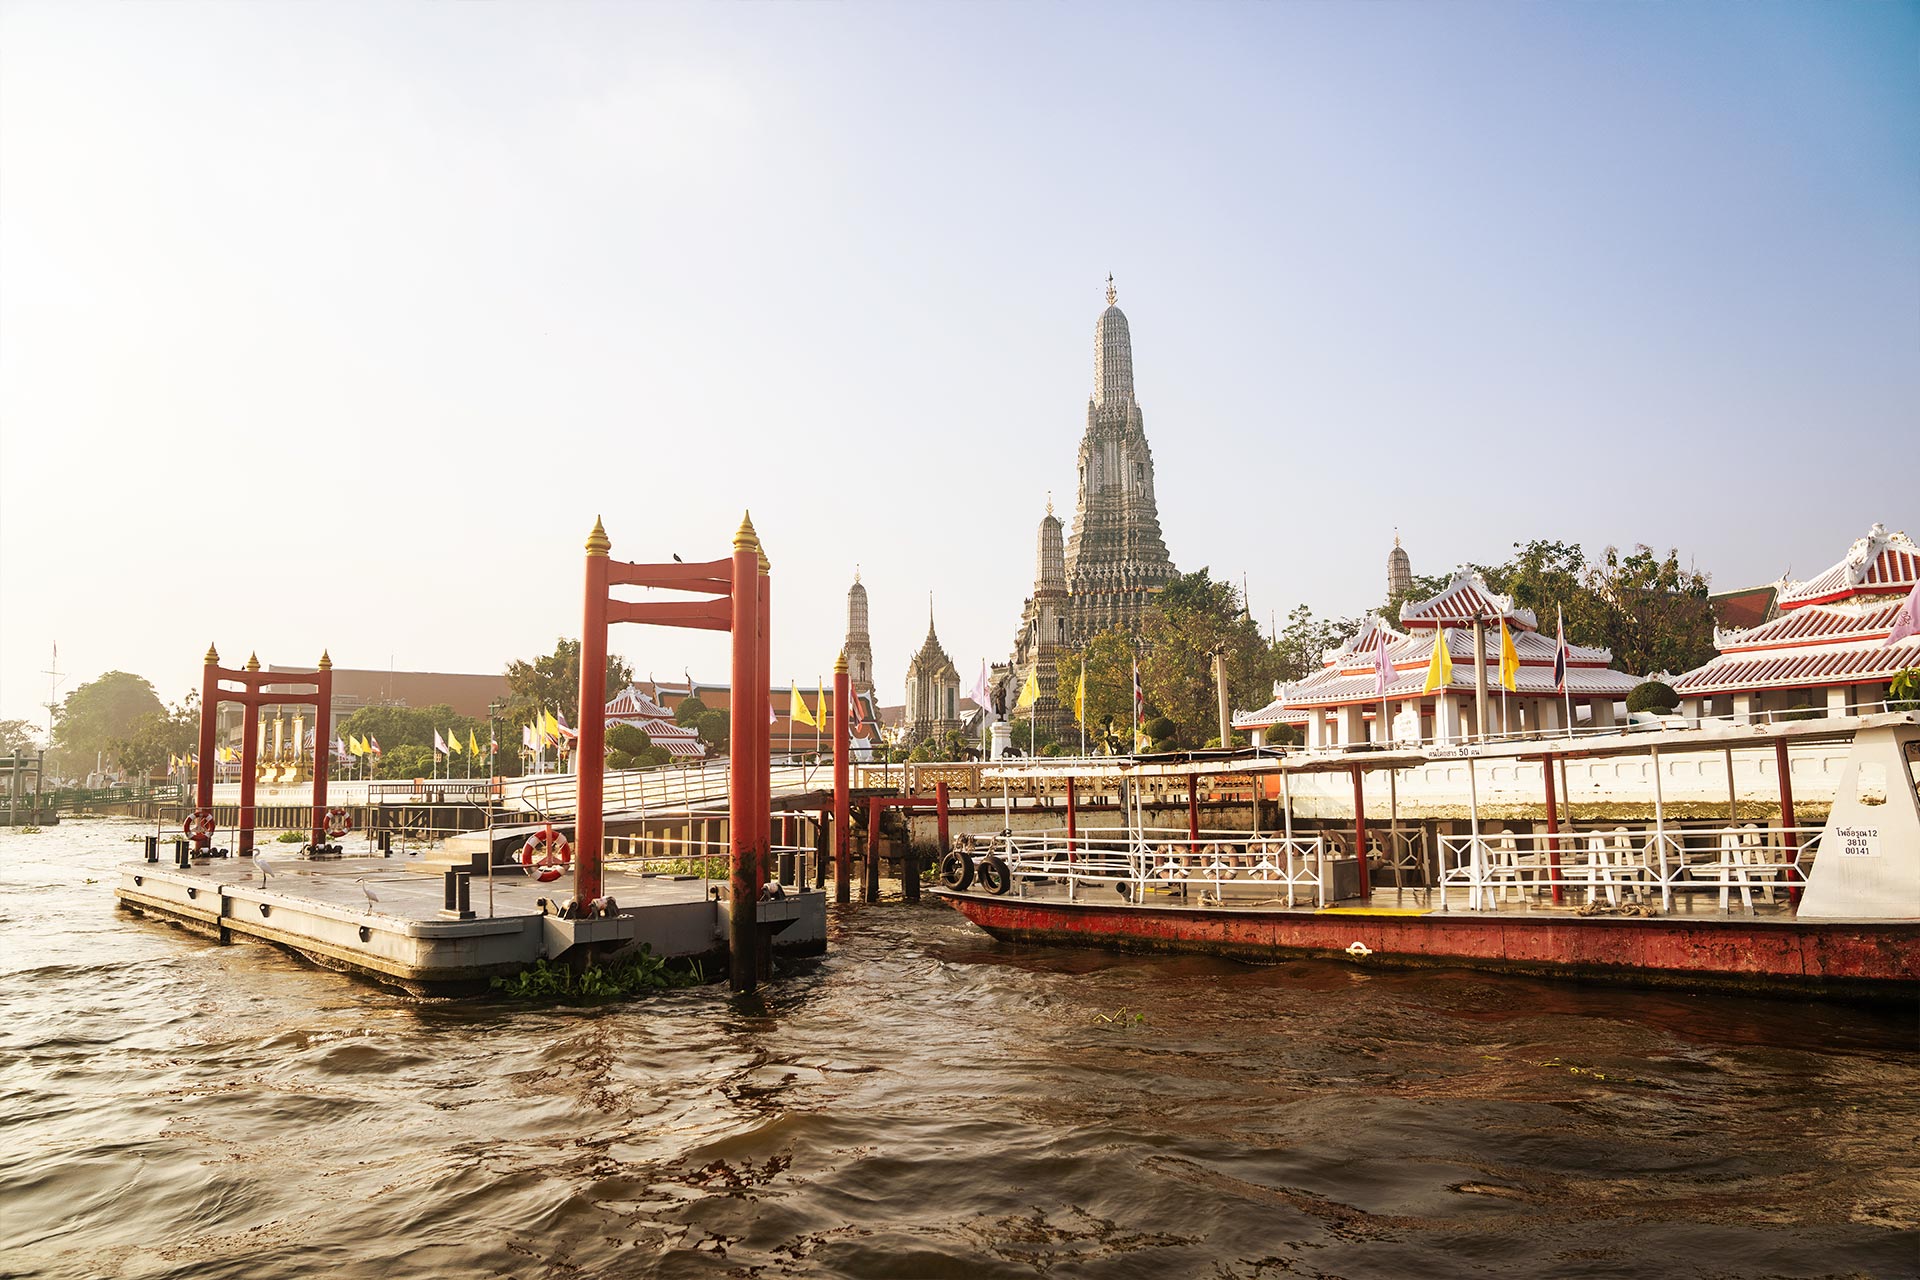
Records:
x=859, y=644
x=1043, y=623
x=1116, y=559
x=933, y=691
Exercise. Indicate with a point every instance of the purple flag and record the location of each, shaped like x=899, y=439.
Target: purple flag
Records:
x=1382, y=669
x=1907, y=621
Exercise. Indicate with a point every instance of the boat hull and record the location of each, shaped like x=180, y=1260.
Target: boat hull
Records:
x=1834, y=958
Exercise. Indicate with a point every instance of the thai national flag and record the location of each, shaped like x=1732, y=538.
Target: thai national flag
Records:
x=1559, y=651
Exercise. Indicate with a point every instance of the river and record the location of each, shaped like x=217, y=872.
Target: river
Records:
x=922, y=1102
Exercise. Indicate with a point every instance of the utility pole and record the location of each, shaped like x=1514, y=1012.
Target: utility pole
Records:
x=1220, y=690
x=1480, y=674
x=53, y=674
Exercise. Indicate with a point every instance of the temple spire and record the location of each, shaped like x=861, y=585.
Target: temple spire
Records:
x=1112, y=293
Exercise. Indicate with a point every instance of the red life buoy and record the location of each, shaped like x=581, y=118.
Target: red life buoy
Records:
x=199, y=824
x=548, y=850
x=338, y=821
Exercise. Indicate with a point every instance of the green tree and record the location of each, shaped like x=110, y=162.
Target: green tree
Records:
x=17, y=736
x=99, y=713
x=552, y=682
x=1108, y=659
x=1422, y=587
x=401, y=730
x=158, y=734
x=1656, y=614
x=1299, y=650
x=410, y=760
x=1193, y=618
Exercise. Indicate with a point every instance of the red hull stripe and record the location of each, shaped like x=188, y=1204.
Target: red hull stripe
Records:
x=1850, y=958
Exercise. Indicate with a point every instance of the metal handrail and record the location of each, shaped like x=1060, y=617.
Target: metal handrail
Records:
x=1219, y=860
x=1622, y=858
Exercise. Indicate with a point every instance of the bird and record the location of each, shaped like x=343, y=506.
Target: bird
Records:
x=677, y=559
x=367, y=889
x=264, y=867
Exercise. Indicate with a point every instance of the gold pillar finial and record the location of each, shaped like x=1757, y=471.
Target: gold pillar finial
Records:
x=744, y=538
x=1111, y=292
x=326, y=660
x=840, y=664
x=597, y=542
x=253, y=662
x=213, y=655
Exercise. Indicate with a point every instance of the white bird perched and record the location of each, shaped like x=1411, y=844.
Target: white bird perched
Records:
x=261, y=865
x=367, y=889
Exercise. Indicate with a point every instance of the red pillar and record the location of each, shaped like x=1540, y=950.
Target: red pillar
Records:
x=940, y=811
x=763, y=726
x=209, y=712
x=1193, y=812
x=590, y=748
x=1072, y=824
x=871, y=890
x=249, y=764
x=1788, y=822
x=322, y=743
x=842, y=845
x=743, y=811
x=1360, y=834
x=1553, y=831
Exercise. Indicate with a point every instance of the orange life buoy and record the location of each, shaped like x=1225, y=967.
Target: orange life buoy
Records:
x=199, y=824
x=338, y=821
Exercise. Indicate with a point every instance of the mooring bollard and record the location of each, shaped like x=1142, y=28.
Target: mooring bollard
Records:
x=458, y=885
x=153, y=848
x=182, y=855
x=384, y=841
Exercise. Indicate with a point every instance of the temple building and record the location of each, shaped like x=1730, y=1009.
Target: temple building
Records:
x=859, y=644
x=1114, y=561
x=1399, y=570
x=1824, y=650
x=1340, y=704
x=933, y=691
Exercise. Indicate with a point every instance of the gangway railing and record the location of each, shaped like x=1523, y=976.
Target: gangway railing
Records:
x=1626, y=863
x=1227, y=865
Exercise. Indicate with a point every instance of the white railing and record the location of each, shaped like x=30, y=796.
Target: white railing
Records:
x=1623, y=862
x=1223, y=864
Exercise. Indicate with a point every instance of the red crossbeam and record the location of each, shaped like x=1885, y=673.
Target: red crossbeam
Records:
x=713, y=577
x=711, y=615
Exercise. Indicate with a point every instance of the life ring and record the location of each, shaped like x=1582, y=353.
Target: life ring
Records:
x=546, y=851
x=338, y=822
x=199, y=824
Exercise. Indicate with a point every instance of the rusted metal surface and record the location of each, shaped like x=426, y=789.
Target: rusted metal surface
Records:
x=1871, y=959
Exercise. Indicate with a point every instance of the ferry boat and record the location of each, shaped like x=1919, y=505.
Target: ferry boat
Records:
x=1829, y=910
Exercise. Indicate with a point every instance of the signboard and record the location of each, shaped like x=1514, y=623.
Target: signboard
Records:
x=1858, y=842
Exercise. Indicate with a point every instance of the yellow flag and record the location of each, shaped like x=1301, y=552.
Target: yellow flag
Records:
x=1030, y=691
x=797, y=708
x=552, y=728
x=473, y=745
x=1509, y=660
x=1080, y=695
x=1440, y=665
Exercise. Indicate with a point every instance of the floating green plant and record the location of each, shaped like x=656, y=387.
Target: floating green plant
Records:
x=621, y=979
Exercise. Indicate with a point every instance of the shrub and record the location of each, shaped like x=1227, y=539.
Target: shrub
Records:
x=628, y=738
x=1652, y=695
x=1161, y=729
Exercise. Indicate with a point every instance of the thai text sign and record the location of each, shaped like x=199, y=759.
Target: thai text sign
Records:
x=1859, y=842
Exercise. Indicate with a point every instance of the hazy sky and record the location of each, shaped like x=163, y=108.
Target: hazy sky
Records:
x=336, y=325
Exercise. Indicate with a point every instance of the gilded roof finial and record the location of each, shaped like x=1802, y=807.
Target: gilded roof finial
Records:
x=598, y=543
x=213, y=655
x=253, y=662
x=744, y=538
x=856, y=574
x=840, y=664
x=326, y=660
x=1111, y=292
x=1049, y=502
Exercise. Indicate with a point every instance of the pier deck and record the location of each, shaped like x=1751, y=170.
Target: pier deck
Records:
x=319, y=909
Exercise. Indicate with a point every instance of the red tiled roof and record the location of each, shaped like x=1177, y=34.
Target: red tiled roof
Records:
x=1800, y=666
x=1748, y=607
x=1818, y=623
x=1464, y=599
x=1881, y=563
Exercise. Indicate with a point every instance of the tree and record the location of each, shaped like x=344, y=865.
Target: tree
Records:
x=1422, y=587
x=17, y=737
x=552, y=682
x=1108, y=659
x=1300, y=649
x=1656, y=614
x=98, y=713
x=1193, y=617
x=1652, y=695
x=157, y=735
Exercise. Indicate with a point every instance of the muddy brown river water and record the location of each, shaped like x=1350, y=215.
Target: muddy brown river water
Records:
x=922, y=1102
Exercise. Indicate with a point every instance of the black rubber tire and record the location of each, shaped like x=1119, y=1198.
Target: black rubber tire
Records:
x=994, y=876
x=956, y=871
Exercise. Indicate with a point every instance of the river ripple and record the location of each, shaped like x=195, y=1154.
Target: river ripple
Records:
x=923, y=1102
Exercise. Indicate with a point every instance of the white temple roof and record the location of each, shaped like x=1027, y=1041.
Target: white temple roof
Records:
x=1881, y=563
x=1462, y=600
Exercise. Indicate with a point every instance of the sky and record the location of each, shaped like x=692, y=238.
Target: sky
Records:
x=336, y=326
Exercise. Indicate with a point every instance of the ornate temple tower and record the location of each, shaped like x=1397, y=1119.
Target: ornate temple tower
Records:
x=859, y=645
x=1399, y=570
x=1043, y=624
x=933, y=690
x=1115, y=559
